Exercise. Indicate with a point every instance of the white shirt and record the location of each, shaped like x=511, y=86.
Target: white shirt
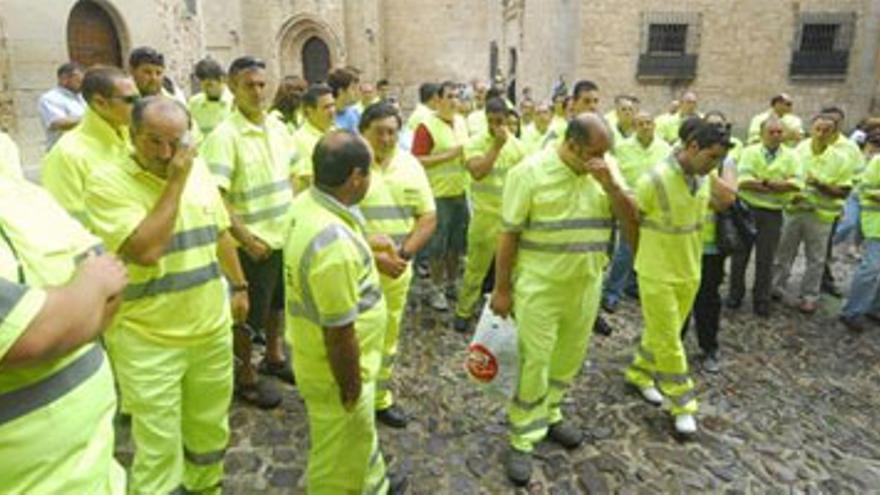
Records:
x=58, y=103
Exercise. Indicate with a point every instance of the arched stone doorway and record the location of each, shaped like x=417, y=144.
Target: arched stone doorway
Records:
x=315, y=60
x=93, y=36
x=308, y=47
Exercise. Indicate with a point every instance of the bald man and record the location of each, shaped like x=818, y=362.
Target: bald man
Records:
x=170, y=343
x=559, y=262
x=668, y=124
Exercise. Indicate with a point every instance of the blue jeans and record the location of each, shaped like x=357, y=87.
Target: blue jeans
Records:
x=849, y=224
x=864, y=293
x=620, y=276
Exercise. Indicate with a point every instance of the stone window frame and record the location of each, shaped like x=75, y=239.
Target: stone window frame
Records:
x=837, y=60
x=669, y=66
x=192, y=7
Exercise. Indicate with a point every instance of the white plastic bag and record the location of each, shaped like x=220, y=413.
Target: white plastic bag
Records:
x=493, y=355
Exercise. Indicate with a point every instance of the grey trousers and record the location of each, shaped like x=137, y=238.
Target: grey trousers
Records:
x=806, y=228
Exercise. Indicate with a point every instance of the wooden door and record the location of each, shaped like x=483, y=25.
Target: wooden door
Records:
x=92, y=37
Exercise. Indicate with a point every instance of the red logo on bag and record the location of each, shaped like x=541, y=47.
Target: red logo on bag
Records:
x=481, y=364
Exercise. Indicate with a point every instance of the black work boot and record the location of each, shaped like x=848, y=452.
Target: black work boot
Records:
x=565, y=434
x=518, y=466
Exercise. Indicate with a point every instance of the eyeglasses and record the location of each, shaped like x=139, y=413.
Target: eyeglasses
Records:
x=128, y=99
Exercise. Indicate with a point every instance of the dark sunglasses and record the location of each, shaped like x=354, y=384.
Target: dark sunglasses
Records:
x=130, y=99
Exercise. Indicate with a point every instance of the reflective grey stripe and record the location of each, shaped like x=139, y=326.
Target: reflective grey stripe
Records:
x=10, y=294
x=338, y=320
x=538, y=424
x=683, y=399
x=173, y=282
x=662, y=198
x=528, y=405
x=389, y=212
x=669, y=229
x=646, y=354
x=369, y=298
x=268, y=213
x=25, y=400
x=671, y=377
x=510, y=227
x=572, y=224
x=221, y=169
x=188, y=239
x=204, y=459
x=486, y=188
x=446, y=169
x=568, y=247
x=96, y=249
x=389, y=359
x=263, y=190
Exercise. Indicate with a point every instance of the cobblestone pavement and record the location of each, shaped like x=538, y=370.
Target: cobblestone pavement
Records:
x=795, y=409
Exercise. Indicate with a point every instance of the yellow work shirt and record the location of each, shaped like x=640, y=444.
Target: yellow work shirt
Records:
x=64, y=405
x=91, y=144
x=757, y=163
x=477, y=123
x=330, y=281
x=672, y=212
x=252, y=164
x=399, y=193
x=869, y=183
x=447, y=178
x=305, y=139
x=418, y=116
x=563, y=219
x=635, y=159
x=187, y=275
x=532, y=138
x=206, y=113
x=10, y=159
x=830, y=167
x=486, y=193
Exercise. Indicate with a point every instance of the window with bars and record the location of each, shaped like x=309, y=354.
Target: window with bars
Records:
x=667, y=38
x=822, y=44
x=669, y=46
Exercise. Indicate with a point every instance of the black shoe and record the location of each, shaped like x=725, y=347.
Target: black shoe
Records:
x=856, y=324
x=875, y=317
x=762, y=309
x=733, y=303
x=397, y=483
x=831, y=289
x=460, y=324
x=602, y=327
x=609, y=305
x=261, y=394
x=566, y=434
x=283, y=371
x=392, y=417
x=518, y=466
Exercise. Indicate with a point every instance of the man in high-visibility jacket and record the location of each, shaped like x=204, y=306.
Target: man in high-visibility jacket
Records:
x=336, y=320
x=636, y=155
x=673, y=198
x=56, y=388
x=781, y=106
x=767, y=176
x=826, y=178
x=319, y=107
x=489, y=157
x=100, y=138
x=862, y=304
x=251, y=156
x=398, y=207
x=557, y=211
x=668, y=123
x=171, y=343
x=214, y=102
x=533, y=133
x=10, y=158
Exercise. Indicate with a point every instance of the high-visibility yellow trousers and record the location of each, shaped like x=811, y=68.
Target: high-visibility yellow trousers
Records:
x=179, y=400
x=660, y=358
x=395, y=291
x=65, y=446
x=344, y=454
x=554, y=324
x=482, y=239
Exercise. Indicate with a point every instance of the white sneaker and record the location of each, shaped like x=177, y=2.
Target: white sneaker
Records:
x=437, y=300
x=652, y=395
x=685, y=424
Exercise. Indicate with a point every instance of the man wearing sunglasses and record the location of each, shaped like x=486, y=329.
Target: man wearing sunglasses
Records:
x=100, y=138
x=252, y=158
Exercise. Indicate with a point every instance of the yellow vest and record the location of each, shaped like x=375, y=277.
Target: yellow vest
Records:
x=670, y=234
x=486, y=193
x=830, y=167
x=754, y=166
x=447, y=179
x=208, y=114
x=870, y=183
